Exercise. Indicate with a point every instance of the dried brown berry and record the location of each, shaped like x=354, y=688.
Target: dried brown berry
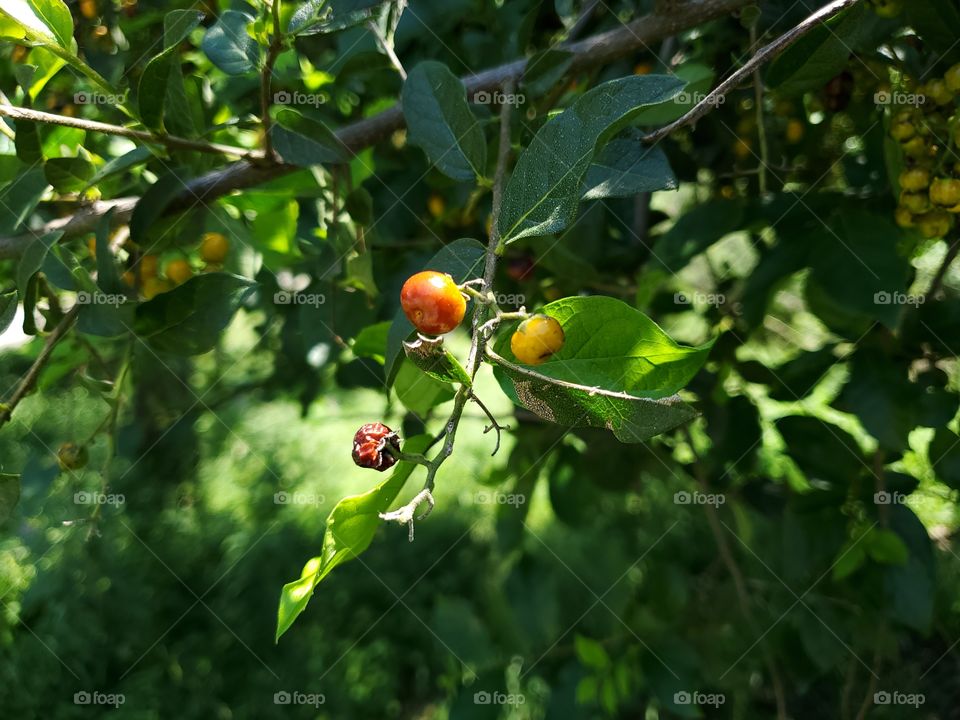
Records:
x=370, y=446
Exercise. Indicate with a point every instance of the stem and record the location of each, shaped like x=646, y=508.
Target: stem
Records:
x=170, y=141
x=266, y=77
x=387, y=48
x=761, y=127
x=33, y=374
x=768, y=52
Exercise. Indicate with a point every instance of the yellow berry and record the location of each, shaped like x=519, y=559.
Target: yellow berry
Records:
x=179, y=271
x=914, y=180
x=945, y=192
x=537, y=338
x=915, y=202
x=742, y=149
x=129, y=278
x=902, y=130
x=436, y=205
x=149, y=265
x=938, y=92
x=934, y=224
x=795, y=131
x=903, y=217
x=952, y=78
x=214, y=248
x=154, y=286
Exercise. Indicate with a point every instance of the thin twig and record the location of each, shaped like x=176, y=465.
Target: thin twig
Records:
x=494, y=425
x=171, y=141
x=764, y=54
x=266, y=80
x=29, y=380
x=387, y=48
x=761, y=126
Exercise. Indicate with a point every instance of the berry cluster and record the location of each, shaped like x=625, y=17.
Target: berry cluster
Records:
x=926, y=133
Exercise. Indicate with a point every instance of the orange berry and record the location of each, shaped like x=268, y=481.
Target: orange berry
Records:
x=432, y=302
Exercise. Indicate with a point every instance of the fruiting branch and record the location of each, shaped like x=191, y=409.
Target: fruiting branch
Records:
x=763, y=55
x=593, y=51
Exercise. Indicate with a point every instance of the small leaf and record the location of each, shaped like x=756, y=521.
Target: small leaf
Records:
x=371, y=342
x=440, y=121
x=32, y=259
x=303, y=141
x=544, y=191
x=418, y=391
x=435, y=360
x=350, y=530
x=47, y=19
x=590, y=653
x=188, y=320
x=8, y=309
x=19, y=198
x=9, y=494
x=850, y=559
x=323, y=16
x=695, y=231
x=886, y=547
x=228, y=45
x=69, y=174
x=121, y=164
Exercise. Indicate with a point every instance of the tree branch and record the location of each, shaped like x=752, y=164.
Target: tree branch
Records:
x=171, y=141
x=764, y=54
x=599, y=49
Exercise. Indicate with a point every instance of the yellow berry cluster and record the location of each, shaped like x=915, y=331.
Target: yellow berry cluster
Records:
x=927, y=133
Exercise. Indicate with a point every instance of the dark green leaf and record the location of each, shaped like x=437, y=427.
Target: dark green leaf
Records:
x=152, y=205
x=822, y=450
x=8, y=309
x=118, y=165
x=625, y=167
x=944, y=454
x=937, y=22
x=440, y=121
x=19, y=198
x=303, y=141
x=542, y=195
x=435, y=360
x=350, y=530
x=69, y=174
x=32, y=259
x=911, y=588
x=695, y=231
x=323, y=16
x=9, y=494
x=544, y=70
x=188, y=320
x=229, y=46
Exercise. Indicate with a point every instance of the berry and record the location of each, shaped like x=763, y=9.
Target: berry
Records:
x=938, y=92
x=370, y=446
x=914, y=180
x=945, y=192
x=71, y=456
x=432, y=302
x=149, y=265
x=934, y=224
x=903, y=217
x=153, y=286
x=436, y=206
x=179, y=271
x=952, y=78
x=537, y=338
x=902, y=130
x=915, y=202
x=214, y=248
x=795, y=131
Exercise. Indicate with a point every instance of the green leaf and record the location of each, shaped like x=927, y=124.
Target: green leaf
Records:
x=937, y=22
x=440, y=122
x=371, y=342
x=152, y=205
x=544, y=70
x=300, y=140
x=163, y=70
x=698, y=80
x=188, y=320
x=822, y=450
x=108, y=276
x=944, y=454
x=463, y=260
x=821, y=54
x=850, y=559
x=32, y=259
x=19, y=198
x=121, y=164
x=177, y=26
x=46, y=19
x=542, y=195
x=695, y=231
x=69, y=174
x=879, y=393
x=418, y=391
x=8, y=309
x=435, y=360
x=9, y=494
x=350, y=530
x=627, y=167
x=324, y=16
x=611, y=345
x=886, y=547
x=911, y=588
x=229, y=46
x=590, y=653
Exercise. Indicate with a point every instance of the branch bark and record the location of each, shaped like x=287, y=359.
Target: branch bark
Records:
x=599, y=49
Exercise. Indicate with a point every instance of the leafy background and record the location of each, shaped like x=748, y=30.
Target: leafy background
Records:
x=567, y=569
